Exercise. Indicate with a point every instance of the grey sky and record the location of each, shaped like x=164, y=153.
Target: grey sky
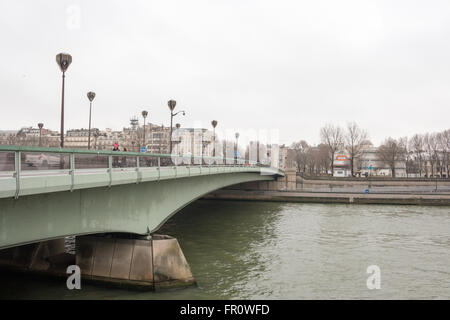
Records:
x=292, y=65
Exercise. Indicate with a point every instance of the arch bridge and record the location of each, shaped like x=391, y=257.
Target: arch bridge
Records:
x=50, y=193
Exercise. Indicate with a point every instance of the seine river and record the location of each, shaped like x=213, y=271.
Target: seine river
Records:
x=262, y=250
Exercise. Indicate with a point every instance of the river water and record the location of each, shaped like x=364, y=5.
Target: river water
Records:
x=263, y=250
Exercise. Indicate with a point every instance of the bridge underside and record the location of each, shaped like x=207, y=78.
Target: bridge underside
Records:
x=132, y=208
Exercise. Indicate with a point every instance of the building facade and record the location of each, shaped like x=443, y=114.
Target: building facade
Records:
x=368, y=164
x=286, y=159
x=29, y=136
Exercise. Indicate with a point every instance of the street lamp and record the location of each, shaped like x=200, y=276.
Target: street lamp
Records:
x=40, y=126
x=91, y=96
x=236, y=151
x=214, y=124
x=63, y=60
x=144, y=114
x=172, y=104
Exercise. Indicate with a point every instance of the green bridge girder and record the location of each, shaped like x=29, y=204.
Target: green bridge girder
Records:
x=54, y=205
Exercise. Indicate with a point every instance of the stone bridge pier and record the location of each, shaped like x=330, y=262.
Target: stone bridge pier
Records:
x=150, y=263
x=157, y=262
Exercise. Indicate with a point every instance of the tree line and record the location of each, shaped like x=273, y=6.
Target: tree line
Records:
x=431, y=148
x=423, y=154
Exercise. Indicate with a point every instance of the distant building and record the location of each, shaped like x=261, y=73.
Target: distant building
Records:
x=273, y=156
x=30, y=131
x=106, y=139
x=286, y=158
x=78, y=138
x=158, y=138
x=433, y=168
x=369, y=164
x=7, y=136
x=29, y=136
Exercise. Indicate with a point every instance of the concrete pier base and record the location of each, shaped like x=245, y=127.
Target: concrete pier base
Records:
x=132, y=263
x=152, y=264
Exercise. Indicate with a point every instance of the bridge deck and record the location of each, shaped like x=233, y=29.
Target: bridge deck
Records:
x=37, y=182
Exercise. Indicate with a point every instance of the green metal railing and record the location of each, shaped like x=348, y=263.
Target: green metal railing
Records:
x=135, y=157
x=17, y=161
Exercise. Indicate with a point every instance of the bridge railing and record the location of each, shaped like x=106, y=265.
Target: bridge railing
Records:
x=23, y=160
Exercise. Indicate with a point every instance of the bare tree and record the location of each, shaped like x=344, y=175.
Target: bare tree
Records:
x=311, y=161
x=391, y=152
x=444, y=144
x=427, y=140
x=301, y=149
x=323, y=160
x=333, y=137
x=355, y=140
x=439, y=153
x=432, y=150
x=407, y=155
x=417, y=147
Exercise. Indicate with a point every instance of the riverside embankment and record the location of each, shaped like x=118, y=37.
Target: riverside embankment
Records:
x=332, y=197
x=293, y=188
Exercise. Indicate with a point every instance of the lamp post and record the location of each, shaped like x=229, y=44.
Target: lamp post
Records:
x=91, y=96
x=172, y=104
x=236, y=151
x=63, y=60
x=214, y=124
x=144, y=114
x=40, y=126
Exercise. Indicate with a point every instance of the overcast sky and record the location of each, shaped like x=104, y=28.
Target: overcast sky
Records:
x=287, y=65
